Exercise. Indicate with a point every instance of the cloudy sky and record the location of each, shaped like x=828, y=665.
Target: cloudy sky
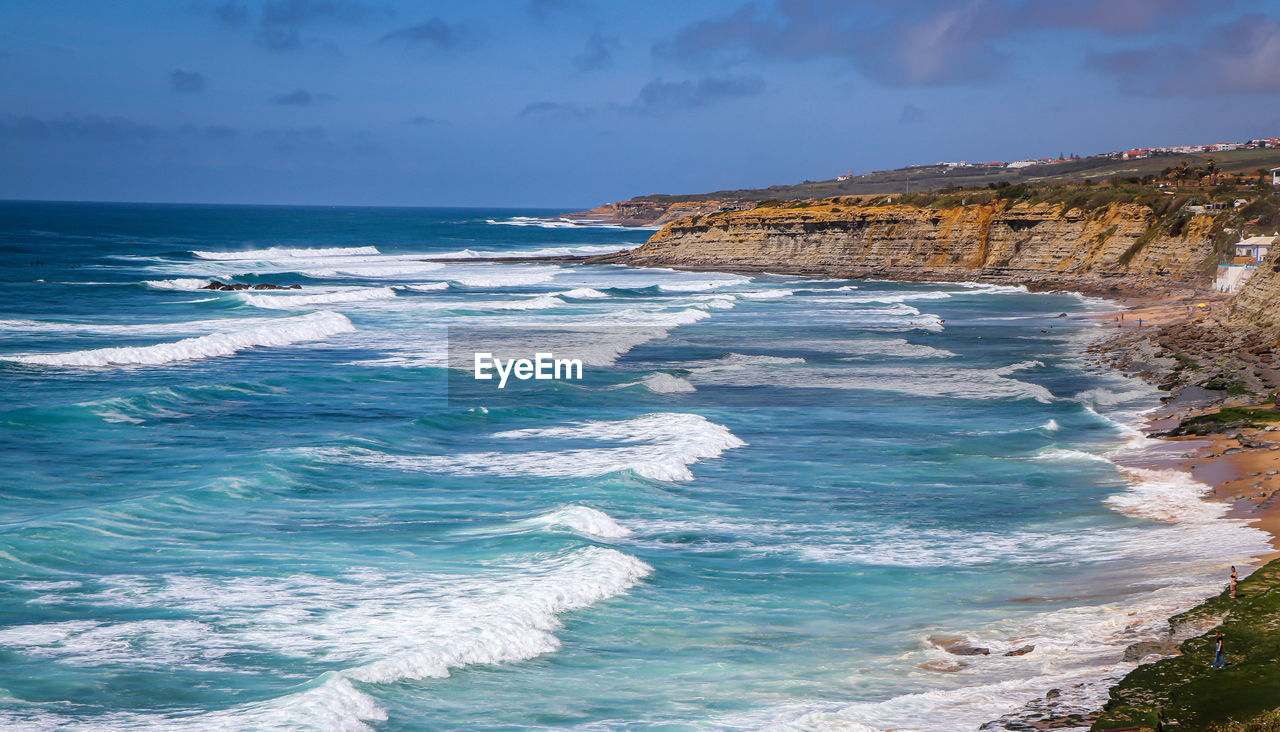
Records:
x=569, y=103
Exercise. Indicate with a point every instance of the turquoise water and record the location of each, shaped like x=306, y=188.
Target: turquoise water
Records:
x=770, y=502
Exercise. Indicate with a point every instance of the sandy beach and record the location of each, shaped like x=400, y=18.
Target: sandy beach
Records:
x=1242, y=465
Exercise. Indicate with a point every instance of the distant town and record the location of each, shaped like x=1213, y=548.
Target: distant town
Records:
x=1134, y=154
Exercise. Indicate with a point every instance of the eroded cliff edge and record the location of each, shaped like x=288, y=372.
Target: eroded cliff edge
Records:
x=1115, y=247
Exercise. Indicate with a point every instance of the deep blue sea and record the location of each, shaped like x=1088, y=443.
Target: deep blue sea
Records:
x=769, y=502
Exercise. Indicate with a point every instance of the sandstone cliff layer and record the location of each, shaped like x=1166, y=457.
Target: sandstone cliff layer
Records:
x=1257, y=304
x=1120, y=246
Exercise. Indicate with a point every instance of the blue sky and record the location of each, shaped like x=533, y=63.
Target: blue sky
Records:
x=570, y=103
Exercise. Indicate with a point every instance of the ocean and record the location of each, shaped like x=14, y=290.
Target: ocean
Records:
x=769, y=502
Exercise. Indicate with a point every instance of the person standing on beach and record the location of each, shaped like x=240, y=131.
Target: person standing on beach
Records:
x=1219, y=660
x=1235, y=578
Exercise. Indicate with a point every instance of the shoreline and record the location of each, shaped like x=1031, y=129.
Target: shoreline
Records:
x=1239, y=466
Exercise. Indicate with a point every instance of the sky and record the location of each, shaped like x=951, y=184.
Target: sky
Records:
x=572, y=103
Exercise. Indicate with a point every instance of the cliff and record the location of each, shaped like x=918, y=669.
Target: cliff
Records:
x=1256, y=304
x=637, y=212
x=1114, y=246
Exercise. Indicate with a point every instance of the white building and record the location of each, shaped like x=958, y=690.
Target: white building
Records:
x=1275, y=176
x=1255, y=247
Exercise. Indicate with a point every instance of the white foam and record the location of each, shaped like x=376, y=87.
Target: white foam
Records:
x=740, y=361
x=895, y=347
x=658, y=446
x=700, y=285
x=1014, y=368
x=292, y=302
x=426, y=286
x=891, y=297
x=274, y=332
x=1167, y=495
x=278, y=253
x=181, y=283
x=930, y=381
x=582, y=520
x=391, y=269
x=664, y=383
x=583, y=293
x=331, y=702
x=1059, y=455
x=565, y=251
x=770, y=294
x=985, y=288
x=381, y=628
x=501, y=276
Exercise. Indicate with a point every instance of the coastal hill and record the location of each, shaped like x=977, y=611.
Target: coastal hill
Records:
x=657, y=209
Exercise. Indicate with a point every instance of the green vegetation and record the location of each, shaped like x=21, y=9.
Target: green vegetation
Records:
x=1185, y=362
x=1184, y=693
x=1227, y=418
x=1243, y=163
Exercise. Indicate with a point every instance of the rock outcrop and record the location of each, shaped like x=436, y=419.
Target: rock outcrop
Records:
x=1120, y=246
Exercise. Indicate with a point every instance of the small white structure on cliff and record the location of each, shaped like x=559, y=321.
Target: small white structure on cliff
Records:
x=1231, y=276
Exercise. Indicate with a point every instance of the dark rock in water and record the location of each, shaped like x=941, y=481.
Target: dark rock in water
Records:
x=1062, y=315
x=230, y=287
x=1053, y=694
x=958, y=646
x=1231, y=451
x=1024, y=650
x=944, y=666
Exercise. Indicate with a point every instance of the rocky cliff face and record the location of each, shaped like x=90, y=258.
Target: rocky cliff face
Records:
x=1257, y=304
x=1121, y=246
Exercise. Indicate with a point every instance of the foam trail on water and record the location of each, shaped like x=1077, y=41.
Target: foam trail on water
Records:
x=1061, y=455
x=658, y=446
x=289, y=302
x=663, y=383
x=276, y=332
x=426, y=286
x=277, y=253
x=180, y=283
x=582, y=520
x=583, y=293
x=502, y=277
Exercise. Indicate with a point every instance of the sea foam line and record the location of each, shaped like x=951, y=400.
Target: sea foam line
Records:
x=658, y=446
x=275, y=332
x=289, y=302
x=275, y=253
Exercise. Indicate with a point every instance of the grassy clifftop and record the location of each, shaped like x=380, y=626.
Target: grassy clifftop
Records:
x=1184, y=693
x=934, y=177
